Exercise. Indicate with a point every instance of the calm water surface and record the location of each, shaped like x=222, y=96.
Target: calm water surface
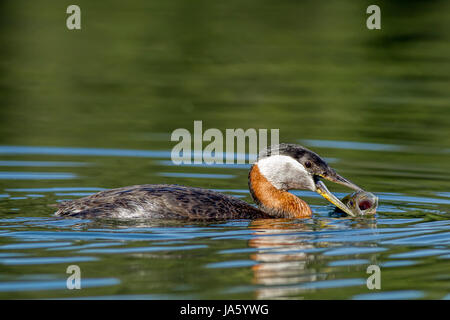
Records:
x=322, y=257
x=82, y=112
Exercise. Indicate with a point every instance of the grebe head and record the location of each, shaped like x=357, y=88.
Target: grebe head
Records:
x=290, y=166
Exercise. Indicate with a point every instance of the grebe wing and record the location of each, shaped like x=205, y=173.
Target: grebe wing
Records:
x=160, y=201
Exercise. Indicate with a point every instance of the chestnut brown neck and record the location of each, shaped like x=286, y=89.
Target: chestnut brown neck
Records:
x=275, y=202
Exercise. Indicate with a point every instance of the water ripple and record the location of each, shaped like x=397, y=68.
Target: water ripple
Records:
x=37, y=175
x=12, y=286
x=44, y=260
x=391, y=295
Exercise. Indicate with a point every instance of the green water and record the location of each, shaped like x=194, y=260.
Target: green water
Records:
x=75, y=105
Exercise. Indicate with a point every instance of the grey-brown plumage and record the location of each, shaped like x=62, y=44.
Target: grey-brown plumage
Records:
x=159, y=201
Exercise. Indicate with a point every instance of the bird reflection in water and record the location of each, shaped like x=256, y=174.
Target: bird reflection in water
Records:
x=289, y=254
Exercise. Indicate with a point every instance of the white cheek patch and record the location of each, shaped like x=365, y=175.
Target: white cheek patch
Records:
x=284, y=172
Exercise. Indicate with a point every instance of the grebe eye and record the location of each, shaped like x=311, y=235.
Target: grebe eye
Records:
x=308, y=164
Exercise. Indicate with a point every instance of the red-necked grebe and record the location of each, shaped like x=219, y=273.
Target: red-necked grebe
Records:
x=278, y=169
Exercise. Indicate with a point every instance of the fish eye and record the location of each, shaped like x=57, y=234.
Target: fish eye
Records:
x=308, y=164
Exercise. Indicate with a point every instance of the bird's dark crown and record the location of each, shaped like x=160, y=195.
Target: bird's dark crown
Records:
x=309, y=159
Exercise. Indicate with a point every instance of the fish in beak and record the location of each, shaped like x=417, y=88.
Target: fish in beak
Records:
x=321, y=189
